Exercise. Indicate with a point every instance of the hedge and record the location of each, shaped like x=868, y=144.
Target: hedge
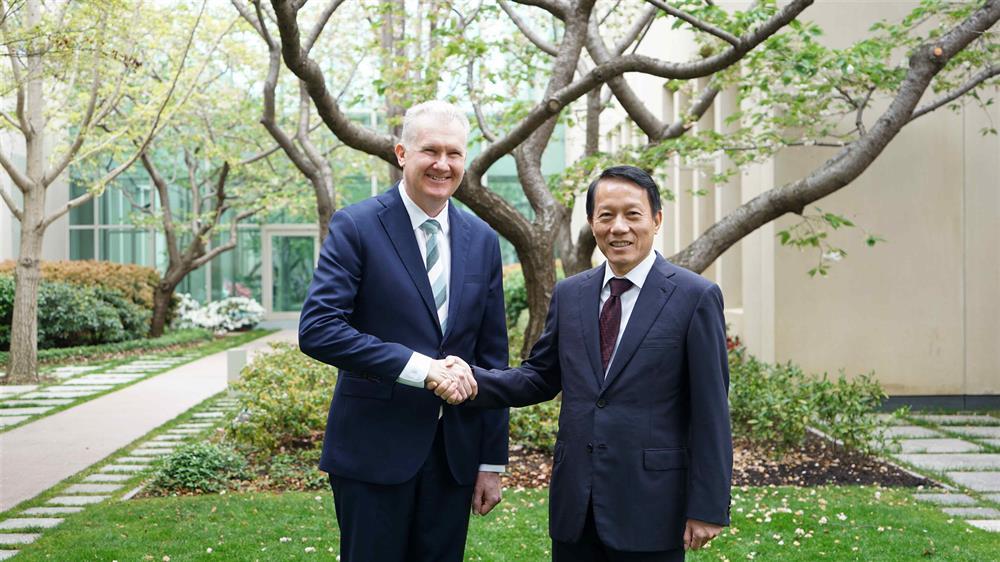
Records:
x=180, y=337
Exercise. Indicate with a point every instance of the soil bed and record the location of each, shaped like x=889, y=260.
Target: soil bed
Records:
x=817, y=463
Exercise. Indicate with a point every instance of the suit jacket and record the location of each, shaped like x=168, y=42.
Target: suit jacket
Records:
x=650, y=443
x=368, y=308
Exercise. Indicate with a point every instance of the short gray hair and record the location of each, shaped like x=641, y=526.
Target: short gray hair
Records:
x=435, y=108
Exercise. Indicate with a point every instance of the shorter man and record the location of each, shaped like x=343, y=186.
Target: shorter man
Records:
x=643, y=460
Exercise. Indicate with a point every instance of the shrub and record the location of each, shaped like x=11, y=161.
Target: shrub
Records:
x=200, y=467
x=177, y=338
x=773, y=406
x=226, y=315
x=73, y=315
x=134, y=282
x=285, y=397
x=536, y=426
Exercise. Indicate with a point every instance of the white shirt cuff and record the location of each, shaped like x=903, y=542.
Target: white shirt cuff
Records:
x=415, y=371
x=492, y=468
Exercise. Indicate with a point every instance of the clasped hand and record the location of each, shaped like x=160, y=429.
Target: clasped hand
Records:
x=451, y=379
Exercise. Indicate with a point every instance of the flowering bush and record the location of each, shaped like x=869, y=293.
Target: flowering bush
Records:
x=226, y=315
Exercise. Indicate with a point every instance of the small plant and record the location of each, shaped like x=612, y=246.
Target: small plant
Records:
x=536, y=426
x=200, y=467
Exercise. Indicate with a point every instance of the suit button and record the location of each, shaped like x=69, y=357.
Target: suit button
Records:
x=590, y=447
x=602, y=403
x=602, y=447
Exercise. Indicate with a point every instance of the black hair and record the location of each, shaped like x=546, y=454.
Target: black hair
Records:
x=638, y=176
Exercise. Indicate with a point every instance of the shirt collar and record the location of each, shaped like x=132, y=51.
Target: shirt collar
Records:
x=638, y=273
x=418, y=216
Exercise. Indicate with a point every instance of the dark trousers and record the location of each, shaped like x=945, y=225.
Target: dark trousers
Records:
x=422, y=520
x=590, y=549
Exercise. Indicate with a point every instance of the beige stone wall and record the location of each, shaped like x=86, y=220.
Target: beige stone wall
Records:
x=922, y=309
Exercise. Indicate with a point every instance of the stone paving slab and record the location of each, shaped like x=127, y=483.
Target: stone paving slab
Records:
x=183, y=431
x=151, y=452
x=79, y=388
x=937, y=446
x=86, y=381
x=992, y=497
x=10, y=390
x=208, y=415
x=903, y=431
x=123, y=468
x=992, y=442
x=137, y=460
x=107, y=477
x=956, y=461
x=51, y=510
x=989, y=432
x=18, y=538
x=978, y=481
x=29, y=523
x=76, y=500
x=11, y=420
x=958, y=419
x=992, y=525
x=39, y=401
x=169, y=437
x=973, y=512
x=945, y=499
x=8, y=554
x=202, y=425
x=5, y=412
x=60, y=395
x=172, y=444
x=92, y=488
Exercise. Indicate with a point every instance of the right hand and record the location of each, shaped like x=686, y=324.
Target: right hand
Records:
x=451, y=379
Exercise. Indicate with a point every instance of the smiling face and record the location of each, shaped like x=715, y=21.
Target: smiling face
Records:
x=623, y=223
x=435, y=163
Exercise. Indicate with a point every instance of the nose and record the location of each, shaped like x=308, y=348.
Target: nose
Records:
x=619, y=225
x=441, y=161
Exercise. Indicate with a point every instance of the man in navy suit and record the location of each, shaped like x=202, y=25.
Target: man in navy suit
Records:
x=643, y=460
x=404, y=280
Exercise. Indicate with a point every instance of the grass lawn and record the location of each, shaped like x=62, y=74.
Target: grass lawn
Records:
x=836, y=523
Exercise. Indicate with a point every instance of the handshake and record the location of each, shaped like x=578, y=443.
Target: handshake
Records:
x=451, y=380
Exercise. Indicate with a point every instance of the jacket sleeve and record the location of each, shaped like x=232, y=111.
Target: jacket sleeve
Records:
x=325, y=332
x=711, y=445
x=538, y=379
x=492, y=353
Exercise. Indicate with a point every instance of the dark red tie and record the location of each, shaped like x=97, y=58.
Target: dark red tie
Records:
x=611, y=319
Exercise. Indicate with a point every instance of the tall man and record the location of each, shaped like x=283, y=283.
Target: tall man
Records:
x=643, y=460
x=405, y=279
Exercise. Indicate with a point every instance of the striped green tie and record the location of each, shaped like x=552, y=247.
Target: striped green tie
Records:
x=435, y=270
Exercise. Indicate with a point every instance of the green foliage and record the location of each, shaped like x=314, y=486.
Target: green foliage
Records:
x=180, y=337
x=284, y=397
x=200, y=467
x=536, y=426
x=772, y=406
x=295, y=470
x=73, y=315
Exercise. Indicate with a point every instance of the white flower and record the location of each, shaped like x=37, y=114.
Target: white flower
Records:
x=285, y=539
x=842, y=517
x=822, y=520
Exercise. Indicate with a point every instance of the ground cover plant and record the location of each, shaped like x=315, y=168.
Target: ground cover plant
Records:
x=769, y=523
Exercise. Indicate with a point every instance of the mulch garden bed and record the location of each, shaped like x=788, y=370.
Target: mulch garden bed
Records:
x=817, y=463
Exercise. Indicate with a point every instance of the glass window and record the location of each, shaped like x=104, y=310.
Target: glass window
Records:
x=194, y=285
x=84, y=214
x=236, y=273
x=126, y=246
x=81, y=244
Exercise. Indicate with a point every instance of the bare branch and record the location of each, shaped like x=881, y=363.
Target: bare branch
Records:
x=697, y=23
x=11, y=204
x=558, y=8
x=9, y=119
x=317, y=29
x=81, y=133
x=536, y=39
x=162, y=189
x=698, y=109
x=22, y=181
x=231, y=243
x=480, y=118
x=639, y=26
x=16, y=71
x=859, y=118
x=959, y=92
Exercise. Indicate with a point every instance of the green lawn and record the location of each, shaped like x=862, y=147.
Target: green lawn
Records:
x=845, y=523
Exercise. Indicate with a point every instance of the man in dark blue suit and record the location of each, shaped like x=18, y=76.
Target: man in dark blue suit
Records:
x=643, y=460
x=404, y=280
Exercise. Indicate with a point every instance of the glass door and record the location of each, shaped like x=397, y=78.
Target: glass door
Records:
x=292, y=261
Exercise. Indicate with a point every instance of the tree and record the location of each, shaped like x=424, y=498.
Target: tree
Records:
x=758, y=40
x=87, y=58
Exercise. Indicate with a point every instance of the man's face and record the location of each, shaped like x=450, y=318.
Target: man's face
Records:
x=623, y=223
x=433, y=167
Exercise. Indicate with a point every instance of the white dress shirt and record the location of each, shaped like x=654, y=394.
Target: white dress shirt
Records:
x=637, y=276
x=415, y=371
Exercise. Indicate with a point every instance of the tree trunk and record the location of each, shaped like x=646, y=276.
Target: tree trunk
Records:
x=162, y=296
x=539, y=279
x=23, y=363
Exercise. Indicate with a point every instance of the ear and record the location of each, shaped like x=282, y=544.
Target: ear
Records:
x=658, y=220
x=400, y=154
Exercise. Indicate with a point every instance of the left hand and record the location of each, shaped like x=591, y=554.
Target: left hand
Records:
x=698, y=533
x=486, y=494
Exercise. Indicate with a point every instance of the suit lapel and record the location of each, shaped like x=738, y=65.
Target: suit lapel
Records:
x=396, y=223
x=589, y=301
x=459, y=238
x=655, y=293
